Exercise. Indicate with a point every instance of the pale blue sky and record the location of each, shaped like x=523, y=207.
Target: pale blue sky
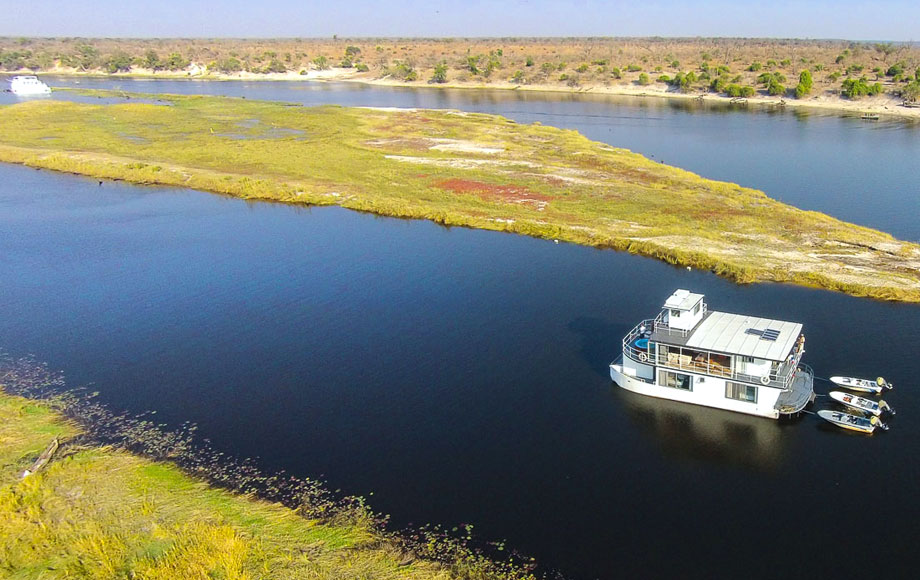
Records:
x=847, y=19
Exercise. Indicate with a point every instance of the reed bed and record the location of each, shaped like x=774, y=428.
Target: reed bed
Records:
x=125, y=497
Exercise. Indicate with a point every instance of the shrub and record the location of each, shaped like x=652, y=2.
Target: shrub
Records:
x=633, y=68
x=805, y=84
x=775, y=88
x=755, y=66
x=440, y=73
x=321, y=62
x=529, y=61
x=856, y=88
x=643, y=79
x=361, y=67
x=896, y=69
x=582, y=68
x=664, y=79
x=518, y=77
x=675, y=64
x=615, y=73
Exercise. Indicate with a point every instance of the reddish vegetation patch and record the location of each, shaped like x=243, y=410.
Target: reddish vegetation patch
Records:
x=493, y=192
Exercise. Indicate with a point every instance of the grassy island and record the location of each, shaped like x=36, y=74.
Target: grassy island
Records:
x=464, y=169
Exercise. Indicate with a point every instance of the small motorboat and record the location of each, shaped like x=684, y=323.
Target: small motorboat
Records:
x=861, y=403
x=852, y=422
x=862, y=385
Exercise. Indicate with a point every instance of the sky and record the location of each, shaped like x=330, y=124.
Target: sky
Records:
x=895, y=20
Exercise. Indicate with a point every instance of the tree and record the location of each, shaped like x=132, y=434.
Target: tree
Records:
x=152, y=60
x=805, y=84
x=440, y=73
x=177, y=62
x=118, y=62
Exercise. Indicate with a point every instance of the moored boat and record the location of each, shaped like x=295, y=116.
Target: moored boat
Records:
x=862, y=385
x=28, y=86
x=852, y=422
x=728, y=361
x=855, y=401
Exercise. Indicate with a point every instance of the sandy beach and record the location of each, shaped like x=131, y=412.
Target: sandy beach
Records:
x=883, y=105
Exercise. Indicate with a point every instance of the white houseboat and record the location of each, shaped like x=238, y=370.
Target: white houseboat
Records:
x=729, y=361
x=28, y=85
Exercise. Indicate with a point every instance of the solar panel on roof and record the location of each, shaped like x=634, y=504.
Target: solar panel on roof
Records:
x=769, y=334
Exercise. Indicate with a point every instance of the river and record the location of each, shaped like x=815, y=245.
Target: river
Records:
x=460, y=376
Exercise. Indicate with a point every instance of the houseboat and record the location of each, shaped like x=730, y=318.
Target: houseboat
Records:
x=740, y=363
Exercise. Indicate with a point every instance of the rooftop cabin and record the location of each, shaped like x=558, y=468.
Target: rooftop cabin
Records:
x=687, y=336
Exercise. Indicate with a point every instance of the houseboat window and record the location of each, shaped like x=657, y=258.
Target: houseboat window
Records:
x=676, y=380
x=696, y=309
x=741, y=392
x=675, y=313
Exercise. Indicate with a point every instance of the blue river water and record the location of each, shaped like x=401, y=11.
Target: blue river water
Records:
x=461, y=376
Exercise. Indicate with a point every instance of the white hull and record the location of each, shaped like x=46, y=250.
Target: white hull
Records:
x=860, y=403
x=28, y=86
x=861, y=385
x=708, y=393
x=852, y=422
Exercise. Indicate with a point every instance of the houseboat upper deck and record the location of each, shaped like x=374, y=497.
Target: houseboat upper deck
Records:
x=728, y=361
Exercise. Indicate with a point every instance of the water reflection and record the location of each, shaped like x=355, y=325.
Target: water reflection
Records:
x=705, y=435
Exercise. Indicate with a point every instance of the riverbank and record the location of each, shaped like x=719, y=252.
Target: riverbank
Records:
x=463, y=169
x=113, y=502
x=883, y=105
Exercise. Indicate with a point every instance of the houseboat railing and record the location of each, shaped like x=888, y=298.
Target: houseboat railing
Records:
x=781, y=378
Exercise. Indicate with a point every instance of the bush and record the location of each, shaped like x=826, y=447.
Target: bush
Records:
x=440, y=73
x=805, y=84
x=361, y=67
x=857, y=88
x=911, y=93
x=518, y=77
x=582, y=68
x=644, y=80
x=775, y=88
x=664, y=79
x=755, y=66
x=896, y=69
x=615, y=73
x=529, y=61
x=633, y=68
x=321, y=62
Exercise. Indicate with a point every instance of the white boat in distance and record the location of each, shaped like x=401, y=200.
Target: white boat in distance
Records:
x=852, y=422
x=734, y=362
x=28, y=86
x=863, y=404
x=862, y=385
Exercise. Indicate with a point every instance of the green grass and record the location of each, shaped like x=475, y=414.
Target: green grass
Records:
x=97, y=512
x=528, y=179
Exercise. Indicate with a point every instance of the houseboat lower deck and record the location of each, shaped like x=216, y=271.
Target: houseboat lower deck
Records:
x=728, y=361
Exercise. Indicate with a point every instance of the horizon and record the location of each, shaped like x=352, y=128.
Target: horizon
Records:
x=817, y=20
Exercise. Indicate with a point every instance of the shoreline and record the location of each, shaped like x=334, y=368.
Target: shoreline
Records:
x=883, y=105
